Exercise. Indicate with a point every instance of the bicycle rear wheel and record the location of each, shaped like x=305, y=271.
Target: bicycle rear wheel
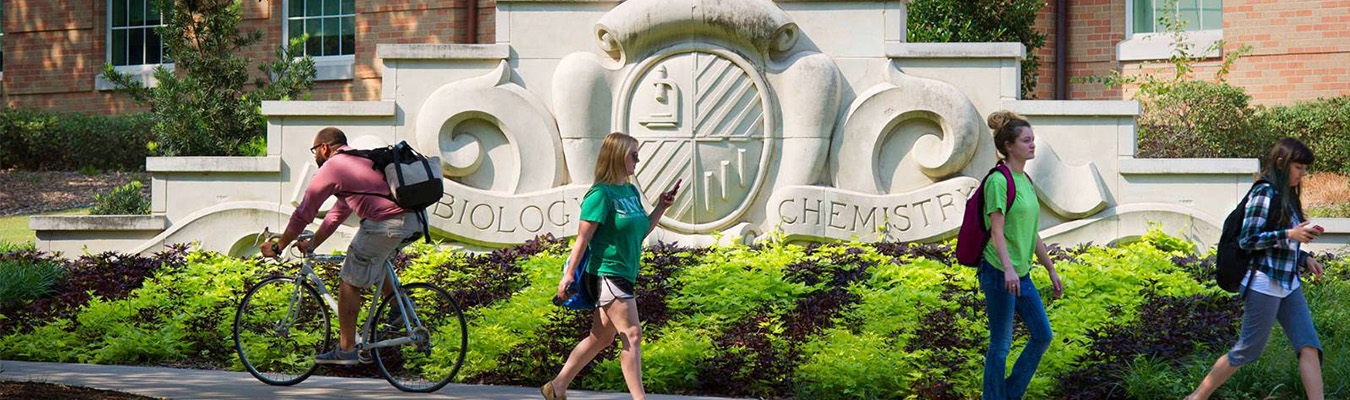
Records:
x=435, y=356
x=278, y=329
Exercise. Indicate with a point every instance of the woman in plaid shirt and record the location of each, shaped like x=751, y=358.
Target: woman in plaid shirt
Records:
x=1274, y=292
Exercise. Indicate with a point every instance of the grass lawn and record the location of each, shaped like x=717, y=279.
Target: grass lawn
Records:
x=14, y=228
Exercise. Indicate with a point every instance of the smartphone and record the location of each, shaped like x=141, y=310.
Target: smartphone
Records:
x=676, y=189
x=1317, y=230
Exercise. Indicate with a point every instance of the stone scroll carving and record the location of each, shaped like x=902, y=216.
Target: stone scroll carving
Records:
x=1070, y=191
x=513, y=131
x=874, y=117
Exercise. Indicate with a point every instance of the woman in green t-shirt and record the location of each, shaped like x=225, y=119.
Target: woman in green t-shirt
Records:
x=1004, y=273
x=613, y=224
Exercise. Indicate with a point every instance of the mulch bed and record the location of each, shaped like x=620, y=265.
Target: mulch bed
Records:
x=53, y=391
x=31, y=192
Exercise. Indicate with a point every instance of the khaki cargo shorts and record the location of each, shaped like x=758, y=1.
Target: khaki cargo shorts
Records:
x=375, y=242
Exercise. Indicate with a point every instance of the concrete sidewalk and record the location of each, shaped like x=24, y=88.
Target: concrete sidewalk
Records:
x=205, y=384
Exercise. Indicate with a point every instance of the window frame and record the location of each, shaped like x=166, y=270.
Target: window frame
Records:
x=108, y=40
x=145, y=73
x=1146, y=46
x=1129, y=21
x=327, y=68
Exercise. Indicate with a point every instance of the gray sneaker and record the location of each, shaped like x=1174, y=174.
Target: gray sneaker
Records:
x=338, y=357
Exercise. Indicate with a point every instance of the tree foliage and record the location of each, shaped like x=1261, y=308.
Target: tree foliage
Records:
x=205, y=104
x=982, y=21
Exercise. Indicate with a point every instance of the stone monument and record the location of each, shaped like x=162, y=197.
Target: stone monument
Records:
x=810, y=120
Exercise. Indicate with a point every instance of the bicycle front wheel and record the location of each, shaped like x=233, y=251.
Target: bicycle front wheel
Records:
x=279, y=327
x=438, y=347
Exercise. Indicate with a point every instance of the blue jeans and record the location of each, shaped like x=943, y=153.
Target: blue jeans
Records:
x=1000, y=305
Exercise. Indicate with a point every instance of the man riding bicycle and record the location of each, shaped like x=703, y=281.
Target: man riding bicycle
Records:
x=385, y=229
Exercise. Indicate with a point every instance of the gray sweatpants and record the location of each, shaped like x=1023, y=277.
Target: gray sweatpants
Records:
x=1259, y=315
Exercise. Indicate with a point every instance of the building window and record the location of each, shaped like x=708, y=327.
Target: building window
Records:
x=131, y=32
x=331, y=25
x=1198, y=15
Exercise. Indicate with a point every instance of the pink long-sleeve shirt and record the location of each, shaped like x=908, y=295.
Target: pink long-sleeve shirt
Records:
x=340, y=176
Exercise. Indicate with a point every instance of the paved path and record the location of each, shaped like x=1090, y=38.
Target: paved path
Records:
x=205, y=384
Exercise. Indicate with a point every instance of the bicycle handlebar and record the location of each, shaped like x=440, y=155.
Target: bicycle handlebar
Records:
x=267, y=235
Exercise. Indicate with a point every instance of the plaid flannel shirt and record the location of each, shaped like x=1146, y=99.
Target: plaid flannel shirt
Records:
x=1281, y=257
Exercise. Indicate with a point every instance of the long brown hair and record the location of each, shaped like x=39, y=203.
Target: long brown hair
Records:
x=1275, y=169
x=1007, y=127
x=610, y=167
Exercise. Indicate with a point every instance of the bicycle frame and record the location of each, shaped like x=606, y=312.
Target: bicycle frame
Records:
x=411, y=322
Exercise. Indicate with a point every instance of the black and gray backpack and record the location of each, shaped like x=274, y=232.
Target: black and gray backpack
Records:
x=414, y=179
x=1232, y=263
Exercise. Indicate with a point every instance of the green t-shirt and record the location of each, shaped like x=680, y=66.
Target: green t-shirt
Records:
x=616, y=247
x=1019, y=224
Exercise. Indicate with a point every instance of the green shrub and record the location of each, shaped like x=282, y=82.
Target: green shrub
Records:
x=499, y=327
x=982, y=21
x=670, y=364
x=1275, y=374
x=1337, y=211
x=730, y=284
x=41, y=140
x=833, y=321
x=9, y=247
x=124, y=200
x=181, y=313
x=1197, y=119
x=27, y=279
x=1323, y=125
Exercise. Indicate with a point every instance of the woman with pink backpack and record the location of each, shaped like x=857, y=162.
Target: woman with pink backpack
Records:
x=1005, y=264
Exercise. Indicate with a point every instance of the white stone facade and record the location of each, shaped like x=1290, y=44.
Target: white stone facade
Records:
x=813, y=118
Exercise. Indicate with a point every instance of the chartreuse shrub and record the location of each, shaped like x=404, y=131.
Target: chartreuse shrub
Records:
x=1141, y=320
x=496, y=328
x=181, y=312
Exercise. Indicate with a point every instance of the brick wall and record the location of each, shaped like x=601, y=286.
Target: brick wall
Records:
x=1045, y=81
x=1095, y=27
x=1301, y=49
x=55, y=48
x=51, y=51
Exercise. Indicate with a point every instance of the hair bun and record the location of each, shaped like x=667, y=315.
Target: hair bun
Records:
x=1001, y=118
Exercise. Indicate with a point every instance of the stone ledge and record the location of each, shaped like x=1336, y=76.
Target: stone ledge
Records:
x=329, y=108
x=956, y=50
x=1159, y=46
x=391, y=51
x=213, y=164
x=1189, y=166
x=98, y=223
x=1122, y=108
x=334, y=68
x=1333, y=225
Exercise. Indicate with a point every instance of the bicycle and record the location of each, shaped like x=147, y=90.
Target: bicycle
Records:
x=281, y=324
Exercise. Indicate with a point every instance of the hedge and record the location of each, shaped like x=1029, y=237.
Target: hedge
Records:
x=820, y=321
x=43, y=140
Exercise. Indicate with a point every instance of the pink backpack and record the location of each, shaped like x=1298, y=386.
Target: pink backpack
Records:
x=973, y=236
